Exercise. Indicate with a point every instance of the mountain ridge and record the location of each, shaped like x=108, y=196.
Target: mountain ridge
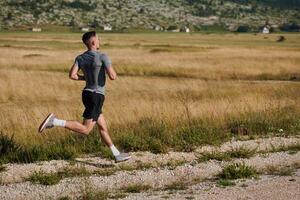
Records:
x=142, y=14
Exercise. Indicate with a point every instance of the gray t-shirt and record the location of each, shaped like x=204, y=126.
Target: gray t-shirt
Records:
x=93, y=65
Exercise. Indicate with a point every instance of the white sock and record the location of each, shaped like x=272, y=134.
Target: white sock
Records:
x=59, y=122
x=114, y=150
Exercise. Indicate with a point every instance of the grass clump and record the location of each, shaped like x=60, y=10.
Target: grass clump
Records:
x=179, y=185
x=213, y=155
x=64, y=198
x=280, y=171
x=7, y=144
x=71, y=172
x=7, y=147
x=190, y=197
x=136, y=188
x=291, y=149
x=172, y=164
x=44, y=179
x=101, y=195
x=105, y=172
x=54, y=178
x=237, y=171
x=240, y=152
x=139, y=165
x=117, y=195
x=225, y=183
x=2, y=168
x=94, y=195
x=90, y=193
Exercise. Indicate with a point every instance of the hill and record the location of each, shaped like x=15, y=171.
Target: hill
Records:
x=147, y=14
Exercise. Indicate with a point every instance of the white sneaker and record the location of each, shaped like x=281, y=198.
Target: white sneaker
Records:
x=122, y=157
x=47, y=123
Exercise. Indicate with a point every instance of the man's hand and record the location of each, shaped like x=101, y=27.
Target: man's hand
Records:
x=73, y=74
x=111, y=73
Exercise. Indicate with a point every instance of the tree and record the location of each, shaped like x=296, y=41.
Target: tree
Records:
x=243, y=29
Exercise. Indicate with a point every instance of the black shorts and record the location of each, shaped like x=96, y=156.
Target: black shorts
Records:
x=93, y=103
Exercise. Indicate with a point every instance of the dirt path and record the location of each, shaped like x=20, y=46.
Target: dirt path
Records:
x=268, y=187
x=159, y=171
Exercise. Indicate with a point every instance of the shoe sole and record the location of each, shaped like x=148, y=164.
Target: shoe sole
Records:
x=43, y=124
x=123, y=159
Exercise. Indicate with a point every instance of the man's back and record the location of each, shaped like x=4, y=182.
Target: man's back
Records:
x=93, y=64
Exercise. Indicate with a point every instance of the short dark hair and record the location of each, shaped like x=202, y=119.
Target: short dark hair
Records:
x=86, y=36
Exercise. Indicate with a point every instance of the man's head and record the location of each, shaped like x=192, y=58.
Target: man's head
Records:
x=91, y=40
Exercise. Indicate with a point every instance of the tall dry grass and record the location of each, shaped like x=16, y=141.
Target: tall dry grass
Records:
x=209, y=57
x=171, y=78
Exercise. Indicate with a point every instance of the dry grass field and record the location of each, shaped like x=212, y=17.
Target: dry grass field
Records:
x=173, y=91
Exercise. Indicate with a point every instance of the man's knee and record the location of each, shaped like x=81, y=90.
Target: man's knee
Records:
x=87, y=130
x=101, y=120
x=88, y=125
x=102, y=128
x=102, y=125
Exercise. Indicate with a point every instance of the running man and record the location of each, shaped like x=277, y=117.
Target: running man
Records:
x=94, y=65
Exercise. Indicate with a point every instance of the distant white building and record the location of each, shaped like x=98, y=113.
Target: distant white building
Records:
x=107, y=28
x=187, y=29
x=85, y=29
x=266, y=30
x=35, y=29
x=158, y=28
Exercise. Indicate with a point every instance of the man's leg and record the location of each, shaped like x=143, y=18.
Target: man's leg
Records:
x=119, y=157
x=83, y=128
x=104, y=131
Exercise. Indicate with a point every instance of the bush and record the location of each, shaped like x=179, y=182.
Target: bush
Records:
x=243, y=29
x=237, y=171
x=172, y=28
x=290, y=27
x=7, y=144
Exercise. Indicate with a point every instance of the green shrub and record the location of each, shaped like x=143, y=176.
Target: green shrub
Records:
x=44, y=179
x=225, y=183
x=237, y=171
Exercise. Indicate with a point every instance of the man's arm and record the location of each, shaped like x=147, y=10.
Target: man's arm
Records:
x=108, y=68
x=73, y=74
x=111, y=73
